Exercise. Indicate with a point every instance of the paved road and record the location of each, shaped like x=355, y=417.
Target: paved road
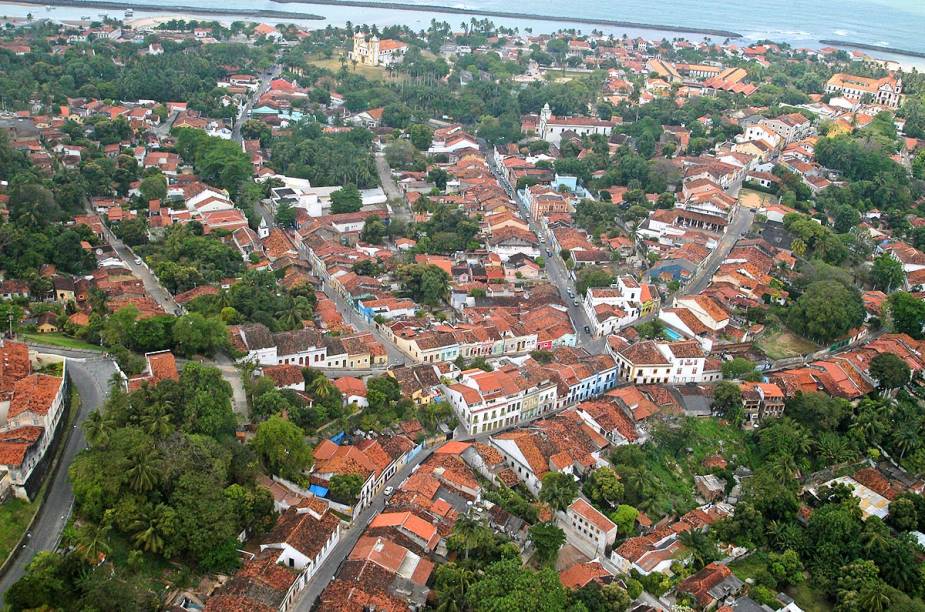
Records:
x=349, y=538
x=90, y=375
x=264, y=86
x=400, y=209
x=556, y=271
x=740, y=224
x=152, y=285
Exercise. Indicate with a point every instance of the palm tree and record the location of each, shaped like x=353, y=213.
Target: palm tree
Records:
x=143, y=475
x=322, y=388
x=873, y=599
x=906, y=438
x=146, y=532
x=97, y=429
x=469, y=532
x=290, y=315
x=92, y=542
x=699, y=546
x=157, y=421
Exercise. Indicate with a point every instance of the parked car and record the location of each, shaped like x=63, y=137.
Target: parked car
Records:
x=587, y=329
x=574, y=302
x=388, y=491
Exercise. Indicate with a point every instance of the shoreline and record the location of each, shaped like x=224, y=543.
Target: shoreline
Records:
x=171, y=8
x=868, y=47
x=452, y=10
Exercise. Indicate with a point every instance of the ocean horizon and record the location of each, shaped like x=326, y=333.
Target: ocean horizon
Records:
x=803, y=23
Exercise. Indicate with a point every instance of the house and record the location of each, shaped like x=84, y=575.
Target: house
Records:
x=652, y=362
x=551, y=128
x=761, y=401
x=161, y=366
x=33, y=405
x=487, y=401
x=261, y=585
x=303, y=537
x=587, y=529
x=353, y=390
x=886, y=91
x=712, y=584
x=285, y=376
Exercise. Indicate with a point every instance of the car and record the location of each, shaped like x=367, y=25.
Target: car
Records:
x=542, y=238
x=548, y=253
x=138, y=261
x=574, y=302
x=388, y=491
x=571, y=293
x=587, y=329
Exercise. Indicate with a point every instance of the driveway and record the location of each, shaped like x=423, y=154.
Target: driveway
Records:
x=90, y=375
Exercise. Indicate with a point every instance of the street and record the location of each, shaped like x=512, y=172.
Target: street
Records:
x=401, y=211
x=152, y=285
x=90, y=375
x=349, y=538
x=264, y=86
x=741, y=222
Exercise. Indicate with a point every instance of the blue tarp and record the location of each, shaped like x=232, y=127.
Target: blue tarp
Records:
x=319, y=491
x=337, y=439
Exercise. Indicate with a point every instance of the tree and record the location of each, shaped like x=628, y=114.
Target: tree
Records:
x=547, y=538
x=92, y=542
x=153, y=187
x=508, y=585
x=282, y=448
x=826, y=311
x=425, y=283
x=727, y=401
x=559, y=490
x=786, y=567
x=625, y=519
x=889, y=371
x=907, y=313
x=603, y=487
x=421, y=136
x=346, y=200
x=374, y=230
x=887, y=273
x=738, y=368
x=285, y=215
x=592, y=277
x=903, y=515
x=195, y=334
x=346, y=488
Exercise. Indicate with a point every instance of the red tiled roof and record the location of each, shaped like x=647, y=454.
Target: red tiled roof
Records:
x=34, y=394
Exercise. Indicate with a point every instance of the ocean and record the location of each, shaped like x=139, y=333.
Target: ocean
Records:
x=891, y=23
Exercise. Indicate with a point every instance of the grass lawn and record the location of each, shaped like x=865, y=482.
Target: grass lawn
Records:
x=750, y=566
x=373, y=73
x=783, y=344
x=15, y=515
x=62, y=341
x=809, y=598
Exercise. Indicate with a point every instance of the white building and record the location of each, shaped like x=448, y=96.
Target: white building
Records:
x=669, y=363
x=551, y=128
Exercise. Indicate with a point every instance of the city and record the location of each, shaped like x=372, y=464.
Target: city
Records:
x=463, y=318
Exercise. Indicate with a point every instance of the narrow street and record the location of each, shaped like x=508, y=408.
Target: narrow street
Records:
x=152, y=285
x=349, y=538
x=400, y=209
x=90, y=375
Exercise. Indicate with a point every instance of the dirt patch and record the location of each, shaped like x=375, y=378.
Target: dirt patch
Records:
x=756, y=199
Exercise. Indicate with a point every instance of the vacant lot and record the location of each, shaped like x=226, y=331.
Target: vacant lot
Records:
x=756, y=199
x=783, y=344
x=15, y=514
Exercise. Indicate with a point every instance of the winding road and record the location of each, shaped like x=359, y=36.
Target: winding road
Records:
x=90, y=375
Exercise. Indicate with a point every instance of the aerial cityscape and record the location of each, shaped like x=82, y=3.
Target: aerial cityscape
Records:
x=373, y=306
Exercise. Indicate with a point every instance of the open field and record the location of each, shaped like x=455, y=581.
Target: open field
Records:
x=373, y=73
x=783, y=344
x=756, y=199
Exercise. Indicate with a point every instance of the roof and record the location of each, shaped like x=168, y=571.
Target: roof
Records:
x=15, y=444
x=34, y=394
x=581, y=574
x=644, y=353
x=349, y=385
x=592, y=515
x=284, y=375
x=303, y=531
x=406, y=521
